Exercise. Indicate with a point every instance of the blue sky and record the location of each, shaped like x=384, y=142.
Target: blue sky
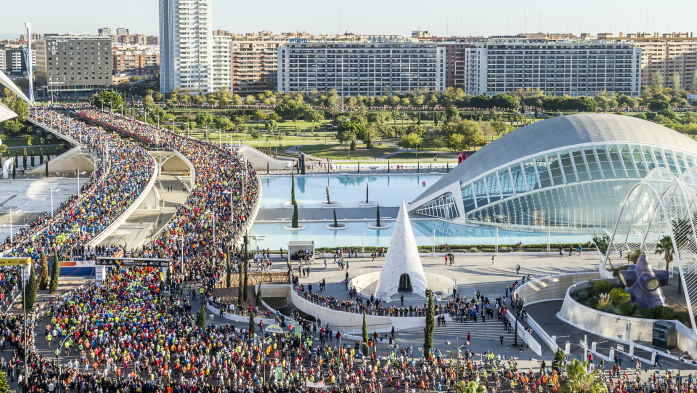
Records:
x=467, y=17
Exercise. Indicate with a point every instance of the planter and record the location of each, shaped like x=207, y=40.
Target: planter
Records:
x=338, y=228
x=288, y=204
x=330, y=204
x=367, y=204
x=374, y=225
x=289, y=227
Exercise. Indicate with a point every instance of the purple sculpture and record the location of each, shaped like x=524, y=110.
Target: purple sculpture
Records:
x=644, y=285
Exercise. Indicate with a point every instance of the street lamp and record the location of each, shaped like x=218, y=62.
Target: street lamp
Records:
x=456, y=347
x=10, y=208
x=52, y=191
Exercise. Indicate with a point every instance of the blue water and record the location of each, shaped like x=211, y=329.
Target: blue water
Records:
x=310, y=191
x=275, y=237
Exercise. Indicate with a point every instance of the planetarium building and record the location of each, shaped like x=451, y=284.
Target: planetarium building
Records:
x=568, y=173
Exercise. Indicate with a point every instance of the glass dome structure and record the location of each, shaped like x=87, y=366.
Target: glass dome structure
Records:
x=565, y=173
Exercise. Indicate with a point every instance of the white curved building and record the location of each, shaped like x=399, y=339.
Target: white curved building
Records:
x=565, y=173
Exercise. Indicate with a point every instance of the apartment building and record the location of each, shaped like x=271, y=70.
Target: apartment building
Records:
x=104, y=31
x=671, y=53
x=186, y=45
x=136, y=61
x=73, y=64
x=360, y=68
x=135, y=39
x=222, y=62
x=121, y=31
x=573, y=67
x=12, y=59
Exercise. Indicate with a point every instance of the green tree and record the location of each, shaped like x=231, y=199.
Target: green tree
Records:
x=430, y=325
x=158, y=97
x=665, y=247
x=259, y=300
x=292, y=187
x=43, y=275
x=228, y=276
x=239, y=283
x=676, y=81
x=252, y=325
x=294, y=221
x=365, y=336
x=658, y=105
x=205, y=119
x=578, y=380
x=4, y=387
x=658, y=80
x=55, y=273
x=201, y=318
x=291, y=110
x=246, y=267
x=409, y=141
x=110, y=99
x=259, y=115
x=693, y=84
x=29, y=292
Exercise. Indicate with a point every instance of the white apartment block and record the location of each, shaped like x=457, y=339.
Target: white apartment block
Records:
x=3, y=61
x=576, y=68
x=360, y=68
x=671, y=53
x=186, y=45
x=222, y=62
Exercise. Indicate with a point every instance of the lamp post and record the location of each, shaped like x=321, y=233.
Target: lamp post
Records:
x=52, y=190
x=456, y=347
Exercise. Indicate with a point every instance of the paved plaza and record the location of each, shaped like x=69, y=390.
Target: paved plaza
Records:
x=32, y=197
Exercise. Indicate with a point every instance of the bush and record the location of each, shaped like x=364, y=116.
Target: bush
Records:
x=579, y=290
x=603, y=286
x=619, y=295
x=583, y=296
x=626, y=308
x=613, y=310
x=593, y=302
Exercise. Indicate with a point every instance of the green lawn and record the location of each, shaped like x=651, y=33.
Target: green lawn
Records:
x=424, y=155
x=340, y=153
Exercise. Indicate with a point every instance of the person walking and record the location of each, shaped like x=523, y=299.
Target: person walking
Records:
x=501, y=339
x=492, y=260
x=561, y=252
x=657, y=361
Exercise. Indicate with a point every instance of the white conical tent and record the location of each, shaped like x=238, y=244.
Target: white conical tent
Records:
x=402, y=258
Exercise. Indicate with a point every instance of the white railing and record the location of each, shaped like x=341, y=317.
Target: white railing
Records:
x=524, y=335
x=127, y=213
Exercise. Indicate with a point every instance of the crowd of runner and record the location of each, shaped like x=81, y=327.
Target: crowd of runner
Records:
x=136, y=334
x=123, y=170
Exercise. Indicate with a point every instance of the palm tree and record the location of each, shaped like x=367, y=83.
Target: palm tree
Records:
x=471, y=387
x=578, y=380
x=665, y=247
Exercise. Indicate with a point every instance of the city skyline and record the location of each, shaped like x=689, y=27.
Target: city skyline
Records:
x=451, y=19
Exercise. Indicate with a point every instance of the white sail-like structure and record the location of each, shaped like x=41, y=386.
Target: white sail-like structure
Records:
x=402, y=268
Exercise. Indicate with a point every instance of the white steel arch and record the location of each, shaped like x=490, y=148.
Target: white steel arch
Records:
x=662, y=205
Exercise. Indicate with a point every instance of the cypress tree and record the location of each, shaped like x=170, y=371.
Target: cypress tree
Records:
x=32, y=158
x=336, y=224
x=228, y=278
x=430, y=324
x=292, y=188
x=54, y=274
x=41, y=156
x=366, y=193
x=259, y=297
x=239, y=285
x=29, y=292
x=46, y=167
x=43, y=275
x=378, y=214
x=365, y=336
x=294, y=223
x=13, y=170
x=251, y=324
x=244, y=290
x=24, y=158
x=201, y=318
x=4, y=387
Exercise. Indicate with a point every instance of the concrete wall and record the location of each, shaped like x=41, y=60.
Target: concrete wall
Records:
x=67, y=163
x=614, y=326
x=259, y=159
x=552, y=287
